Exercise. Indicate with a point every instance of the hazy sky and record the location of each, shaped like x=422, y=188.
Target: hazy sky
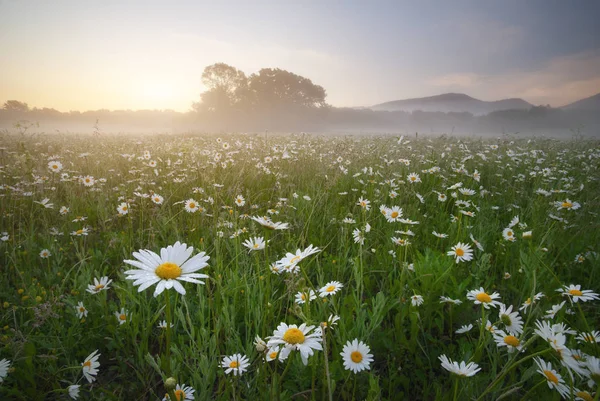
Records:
x=79, y=55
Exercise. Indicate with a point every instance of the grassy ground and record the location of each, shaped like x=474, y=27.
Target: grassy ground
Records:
x=545, y=192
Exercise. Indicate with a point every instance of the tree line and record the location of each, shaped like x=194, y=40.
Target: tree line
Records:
x=276, y=99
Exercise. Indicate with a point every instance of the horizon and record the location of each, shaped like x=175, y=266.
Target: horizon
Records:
x=69, y=57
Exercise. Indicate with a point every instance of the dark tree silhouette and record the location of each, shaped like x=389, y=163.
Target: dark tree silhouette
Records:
x=15, y=105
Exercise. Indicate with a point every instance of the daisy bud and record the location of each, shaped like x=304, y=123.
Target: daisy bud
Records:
x=170, y=384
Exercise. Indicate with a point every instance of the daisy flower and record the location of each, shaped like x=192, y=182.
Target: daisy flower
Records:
x=462, y=252
x=166, y=270
x=99, y=285
x=63, y=210
x=331, y=322
x=356, y=356
x=481, y=297
x=45, y=254
x=88, y=181
x=508, y=234
x=567, y=204
x=90, y=366
x=191, y=206
x=528, y=302
x=254, y=244
x=447, y=300
x=182, y=392
x=122, y=316
x=240, y=201
x=157, y=199
x=464, y=329
x=291, y=260
x=577, y=294
x=4, y=365
x=268, y=223
x=554, y=309
x=511, y=320
x=81, y=232
x=55, y=166
x=294, y=338
x=306, y=296
x=235, y=363
x=439, y=235
x=507, y=340
x=73, y=390
x=81, y=311
x=416, y=300
x=462, y=369
x=477, y=243
x=163, y=324
x=393, y=214
x=553, y=378
x=364, y=203
x=275, y=353
x=123, y=208
x=330, y=288
x=413, y=177
x=593, y=337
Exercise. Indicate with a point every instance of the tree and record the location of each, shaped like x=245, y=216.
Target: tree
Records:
x=283, y=89
x=226, y=86
x=15, y=105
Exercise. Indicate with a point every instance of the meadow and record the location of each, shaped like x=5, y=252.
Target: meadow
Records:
x=315, y=267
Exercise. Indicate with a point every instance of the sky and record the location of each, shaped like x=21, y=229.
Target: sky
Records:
x=85, y=55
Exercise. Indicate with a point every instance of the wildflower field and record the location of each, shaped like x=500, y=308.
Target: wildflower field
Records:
x=298, y=267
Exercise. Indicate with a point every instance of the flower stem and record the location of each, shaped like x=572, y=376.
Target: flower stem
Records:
x=168, y=345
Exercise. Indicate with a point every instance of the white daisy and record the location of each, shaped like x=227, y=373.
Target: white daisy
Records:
x=122, y=316
x=330, y=288
x=481, y=297
x=172, y=265
x=462, y=252
x=294, y=338
x=462, y=369
x=73, y=390
x=99, y=285
x=511, y=320
x=182, y=392
x=577, y=294
x=553, y=378
x=90, y=366
x=255, y=244
x=236, y=364
x=464, y=329
x=4, y=365
x=356, y=356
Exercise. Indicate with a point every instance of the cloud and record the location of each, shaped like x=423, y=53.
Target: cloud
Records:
x=560, y=81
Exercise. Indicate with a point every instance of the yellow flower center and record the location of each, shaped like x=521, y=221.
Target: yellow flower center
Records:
x=255, y=246
x=413, y=178
x=584, y=395
x=589, y=338
x=512, y=341
x=234, y=364
x=294, y=259
x=168, y=271
x=303, y=297
x=330, y=288
x=528, y=302
x=192, y=205
x=81, y=309
x=273, y=355
x=54, y=166
x=459, y=252
x=567, y=205
x=551, y=377
x=124, y=208
x=356, y=356
x=88, y=364
x=123, y=317
x=79, y=232
x=179, y=395
x=575, y=292
x=394, y=215
x=99, y=287
x=483, y=297
x=509, y=233
x=293, y=336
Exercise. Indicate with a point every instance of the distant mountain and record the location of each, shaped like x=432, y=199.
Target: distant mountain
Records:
x=591, y=103
x=452, y=102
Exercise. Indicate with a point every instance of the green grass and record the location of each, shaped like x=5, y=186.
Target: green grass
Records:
x=46, y=342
